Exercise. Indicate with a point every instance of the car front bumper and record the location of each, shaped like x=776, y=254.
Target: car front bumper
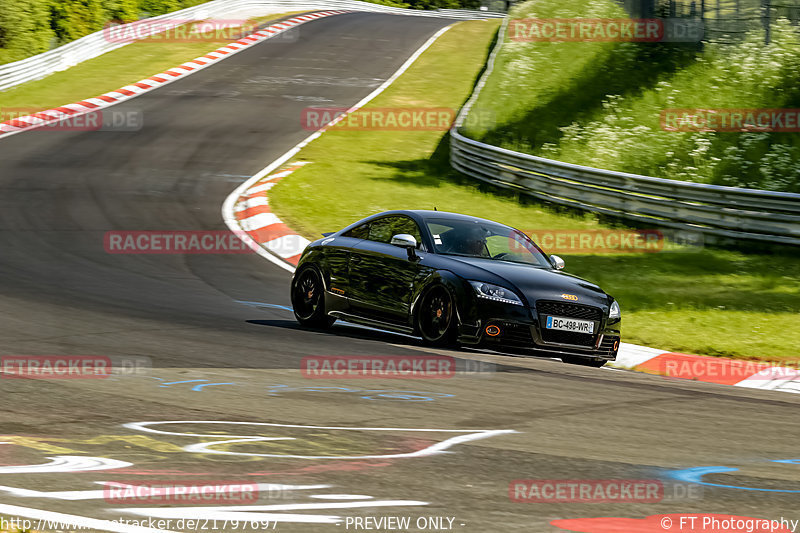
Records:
x=520, y=328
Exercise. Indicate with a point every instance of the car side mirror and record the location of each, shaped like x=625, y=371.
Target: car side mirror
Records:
x=404, y=240
x=557, y=262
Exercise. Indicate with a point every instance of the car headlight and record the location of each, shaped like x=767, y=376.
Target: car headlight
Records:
x=614, y=311
x=495, y=292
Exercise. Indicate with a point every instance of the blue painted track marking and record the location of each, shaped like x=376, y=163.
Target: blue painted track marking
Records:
x=179, y=382
x=268, y=306
x=366, y=394
x=695, y=475
x=198, y=388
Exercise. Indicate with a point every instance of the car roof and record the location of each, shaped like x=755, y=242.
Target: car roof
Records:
x=427, y=214
x=420, y=215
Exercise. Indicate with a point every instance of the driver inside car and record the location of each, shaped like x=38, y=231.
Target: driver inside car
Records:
x=468, y=240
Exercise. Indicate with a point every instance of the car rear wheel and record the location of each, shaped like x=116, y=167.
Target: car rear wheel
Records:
x=308, y=299
x=584, y=361
x=436, y=317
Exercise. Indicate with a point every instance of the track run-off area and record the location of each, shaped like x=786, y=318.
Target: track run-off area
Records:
x=220, y=396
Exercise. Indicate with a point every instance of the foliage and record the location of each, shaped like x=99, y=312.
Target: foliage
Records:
x=158, y=7
x=122, y=10
x=626, y=134
x=30, y=27
x=600, y=104
x=72, y=19
x=112, y=70
x=24, y=29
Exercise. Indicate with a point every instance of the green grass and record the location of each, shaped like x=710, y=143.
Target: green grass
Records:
x=537, y=88
x=698, y=301
x=108, y=72
x=626, y=133
x=600, y=104
x=710, y=302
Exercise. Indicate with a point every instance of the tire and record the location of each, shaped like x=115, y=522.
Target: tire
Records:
x=308, y=299
x=583, y=361
x=436, y=317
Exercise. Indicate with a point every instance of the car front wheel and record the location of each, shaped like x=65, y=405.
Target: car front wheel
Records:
x=436, y=317
x=308, y=299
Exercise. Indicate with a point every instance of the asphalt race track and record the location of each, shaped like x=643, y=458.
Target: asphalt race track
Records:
x=217, y=359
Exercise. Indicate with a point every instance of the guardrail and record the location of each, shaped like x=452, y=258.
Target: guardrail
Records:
x=714, y=210
x=96, y=44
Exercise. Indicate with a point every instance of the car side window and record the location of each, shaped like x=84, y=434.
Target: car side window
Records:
x=359, y=232
x=383, y=229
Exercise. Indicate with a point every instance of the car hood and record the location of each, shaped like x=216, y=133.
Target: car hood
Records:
x=535, y=283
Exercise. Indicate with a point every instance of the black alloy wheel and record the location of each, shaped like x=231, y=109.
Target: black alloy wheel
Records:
x=308, y=299
x=436, y=317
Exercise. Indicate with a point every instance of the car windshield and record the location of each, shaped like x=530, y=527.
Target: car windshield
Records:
x=488, y=240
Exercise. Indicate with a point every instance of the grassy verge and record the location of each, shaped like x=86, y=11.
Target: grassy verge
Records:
x=626, y=134
x=709, y=301
x=600, y=104
x=109, y=72
x=537, y=88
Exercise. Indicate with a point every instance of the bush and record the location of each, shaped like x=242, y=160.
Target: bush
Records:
x=122, y=10
x=72, y=19
x=24, y=29
x=599, y=104
x=152, y=8
x=626, y=134
x=30, y=27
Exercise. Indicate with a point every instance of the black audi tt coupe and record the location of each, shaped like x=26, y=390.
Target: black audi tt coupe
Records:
x=454, y=279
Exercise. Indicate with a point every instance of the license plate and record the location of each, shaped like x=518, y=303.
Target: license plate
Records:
x=570, y=324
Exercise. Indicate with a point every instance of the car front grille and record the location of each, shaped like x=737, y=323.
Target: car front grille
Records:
x=517, y=334
x=511, y=334
x=583, y=312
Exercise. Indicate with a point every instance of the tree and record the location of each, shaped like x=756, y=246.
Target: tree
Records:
x=72, y=19
x=159, y=7
x=24, y=28
x=122, y=10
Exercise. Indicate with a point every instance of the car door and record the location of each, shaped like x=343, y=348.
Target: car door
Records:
x=338, y=252
x=381, y=274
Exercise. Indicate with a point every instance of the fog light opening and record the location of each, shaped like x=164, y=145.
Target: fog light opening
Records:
x=492, y=330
